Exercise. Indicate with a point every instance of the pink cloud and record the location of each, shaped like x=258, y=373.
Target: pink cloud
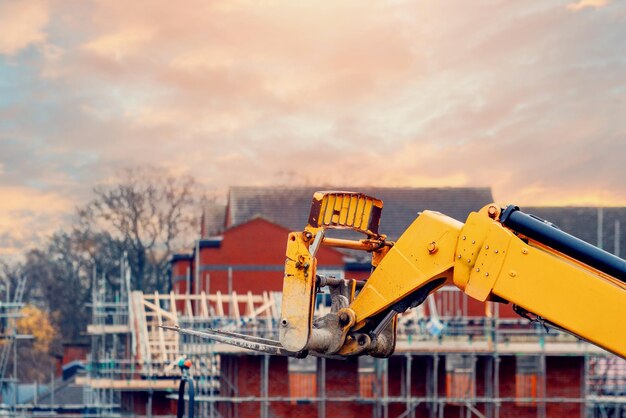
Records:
x=524, y=97
x=584, y=4
x=120, y=44
x=27, y=216
x=22, y=23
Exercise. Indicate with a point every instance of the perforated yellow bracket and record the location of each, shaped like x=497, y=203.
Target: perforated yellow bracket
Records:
x=329, y=210
x=345, y=210
x=481, y=251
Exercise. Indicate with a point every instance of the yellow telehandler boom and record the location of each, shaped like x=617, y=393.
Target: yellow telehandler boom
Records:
x=499, y=254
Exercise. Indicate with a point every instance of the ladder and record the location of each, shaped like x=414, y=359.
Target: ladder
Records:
x=10, y=331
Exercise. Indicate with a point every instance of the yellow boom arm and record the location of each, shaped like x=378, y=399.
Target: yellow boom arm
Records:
x=501, y=255
x=548, y=274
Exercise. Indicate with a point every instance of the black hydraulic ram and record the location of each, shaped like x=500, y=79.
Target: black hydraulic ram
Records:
x=547, y=234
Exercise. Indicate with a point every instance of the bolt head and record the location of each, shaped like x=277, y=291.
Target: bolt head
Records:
x=344, y=319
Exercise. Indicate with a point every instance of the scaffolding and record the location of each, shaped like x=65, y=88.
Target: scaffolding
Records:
x=10, y=312
x=446, y=363
x=131, y=353
x=461, y=363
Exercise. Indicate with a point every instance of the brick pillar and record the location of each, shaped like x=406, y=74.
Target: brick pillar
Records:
x=342, y=380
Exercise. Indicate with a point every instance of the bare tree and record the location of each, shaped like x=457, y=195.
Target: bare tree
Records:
x=144, y=215
x=60, y=278
x=152, y=213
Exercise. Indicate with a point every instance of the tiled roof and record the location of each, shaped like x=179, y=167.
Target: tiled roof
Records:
x=66, y=392
x=290, y=206
x=583, y=222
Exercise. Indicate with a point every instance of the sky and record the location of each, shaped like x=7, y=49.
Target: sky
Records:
x=528, y=98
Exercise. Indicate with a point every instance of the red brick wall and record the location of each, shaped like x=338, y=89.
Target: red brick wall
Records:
x=180, y=268
x=74, y=352
x=358, y=275
x=255, y=243
x=244, y=372
x=279, y=387
x=564, y=379
x=249, y=383
x=137, y=402
x=342, y=380
x=507, y=390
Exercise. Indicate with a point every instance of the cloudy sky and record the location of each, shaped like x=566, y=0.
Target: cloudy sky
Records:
x=526, y=97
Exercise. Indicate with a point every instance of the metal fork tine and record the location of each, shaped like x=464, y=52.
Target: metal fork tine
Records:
x=249, y=342
x=236, y=340
x=250, y=338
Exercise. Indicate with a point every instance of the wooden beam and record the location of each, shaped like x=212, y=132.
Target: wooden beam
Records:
x=219, y=304
x=204, y=307
x=133, y=384
x=234, y=305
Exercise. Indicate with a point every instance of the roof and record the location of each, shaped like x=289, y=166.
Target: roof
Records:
x=213, y=216
x=598, y=226
x=289, y=206
x=66, y=393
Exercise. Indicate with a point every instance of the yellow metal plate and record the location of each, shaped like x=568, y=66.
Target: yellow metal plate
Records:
x=346, y=210
x=481, y=249
x=409, y=265
x=298, y=294
x=566, y=294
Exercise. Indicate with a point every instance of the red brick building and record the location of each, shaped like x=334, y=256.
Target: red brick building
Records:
x=242, y=244
x=249, y=257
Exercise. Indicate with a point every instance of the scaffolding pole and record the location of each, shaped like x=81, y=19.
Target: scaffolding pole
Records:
x=321, y=367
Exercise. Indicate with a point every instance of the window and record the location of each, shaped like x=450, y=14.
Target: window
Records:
x=460, y=376
x=302, y=378
x=367, y=378
x=529, y=380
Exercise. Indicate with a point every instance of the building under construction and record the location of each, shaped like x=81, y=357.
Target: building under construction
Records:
x=10, y=312
x=454, y=356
